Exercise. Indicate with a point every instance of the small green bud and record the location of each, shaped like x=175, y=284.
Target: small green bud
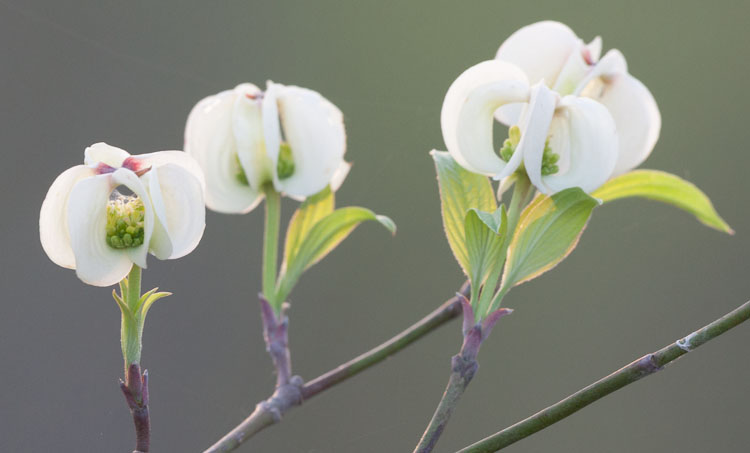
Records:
x=514, y=135
x=285, y=164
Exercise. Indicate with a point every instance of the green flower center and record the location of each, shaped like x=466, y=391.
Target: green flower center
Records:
x=510, y=143
x=125, y=216
x=239, y=172
x=285, y=164
x=549, y=158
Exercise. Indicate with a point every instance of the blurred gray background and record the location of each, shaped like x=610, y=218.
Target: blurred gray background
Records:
x=78, y=72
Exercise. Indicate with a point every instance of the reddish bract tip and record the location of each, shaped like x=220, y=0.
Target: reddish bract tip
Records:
x=586, y=53
x=136, y=166
x=102, y=169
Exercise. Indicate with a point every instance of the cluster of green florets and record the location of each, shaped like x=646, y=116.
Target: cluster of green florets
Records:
x=549, y=159
x=285, y=164
x=240, y=172
x=510, y=143
x=125, y=216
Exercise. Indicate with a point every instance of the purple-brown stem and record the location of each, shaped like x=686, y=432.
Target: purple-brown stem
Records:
x=463, y=367
x=270, y=411
x=135, y=389
x=276, y=335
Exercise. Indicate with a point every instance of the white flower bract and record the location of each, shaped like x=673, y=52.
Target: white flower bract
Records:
x=551, y=52
x=78, y=215
x=580, y=132
x=287, y=136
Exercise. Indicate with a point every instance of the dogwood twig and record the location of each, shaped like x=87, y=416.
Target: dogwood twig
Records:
x=645, y=366
x=271, y=410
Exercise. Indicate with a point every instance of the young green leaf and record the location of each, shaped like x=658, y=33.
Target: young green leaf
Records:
x=485, y=234
x=323, y=237
x=548, y=230
x=307, y=215
x=667, y=188
x=460, y=190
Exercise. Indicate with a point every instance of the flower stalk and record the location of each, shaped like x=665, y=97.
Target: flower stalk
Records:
x=135, y=386
x=271, y=246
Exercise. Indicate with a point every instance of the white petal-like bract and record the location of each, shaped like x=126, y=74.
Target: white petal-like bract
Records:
x=53, y=217
x=209, y=138
x=314, y=130
x=237, y=137
x=179, y=209
x=159, y=195
x=96, y=262
x=468, y=109
x=540, y=50
x=635, y=113
x=584, y=135
x=552, y=51
x=105, y=154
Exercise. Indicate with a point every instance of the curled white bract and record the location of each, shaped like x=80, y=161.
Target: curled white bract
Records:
x=158, y=195
x=551, y=52
x=244, y=138
x=580, y=132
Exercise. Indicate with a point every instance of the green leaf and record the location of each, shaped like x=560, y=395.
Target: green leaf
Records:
x=322, y=238
x=121, y=303
x=460, y=190
x=307, y=215
x=485, y=234
x=147, y=300
x=667, y=188
x=548, y=230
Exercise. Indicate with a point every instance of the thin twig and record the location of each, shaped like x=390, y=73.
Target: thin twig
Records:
x=463, y=367
x=135, y=390
x=645, y=366
x=271, y=410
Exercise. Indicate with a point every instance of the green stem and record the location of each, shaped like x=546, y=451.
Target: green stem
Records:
x=521, y=191
x=131, y=329
x=522, y=194
x=271, y=245
x=134, y=288
x=645, y=366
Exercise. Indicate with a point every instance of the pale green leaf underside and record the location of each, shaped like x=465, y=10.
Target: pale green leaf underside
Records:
x=304, y=218
x=460, y=191
x=667, y=188
x=548, y=230
x=322, y=238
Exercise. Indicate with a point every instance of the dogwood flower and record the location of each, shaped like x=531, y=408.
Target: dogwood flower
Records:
x=550, y=51
x=287, y=136
x=89, y=223
x=562, y=142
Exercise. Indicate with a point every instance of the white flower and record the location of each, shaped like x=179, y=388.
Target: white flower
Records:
x=562, y=142
x=87, y=224
x=551, y=52
x=244, y=138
